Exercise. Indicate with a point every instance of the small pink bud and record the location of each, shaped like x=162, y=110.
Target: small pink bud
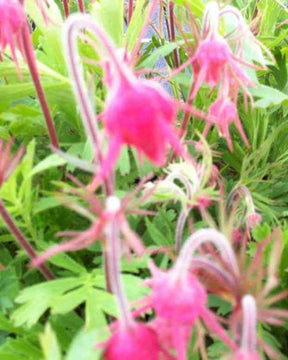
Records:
x=137, y=342
x=253, y=220
x=180, y=300
x=203, y=202
x=237, y=235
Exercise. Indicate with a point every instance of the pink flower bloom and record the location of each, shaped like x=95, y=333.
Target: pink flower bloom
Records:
x=179, y=300
x=136, y=342
x=12, y=19
x=221, y=114
x=212, y=55
x=246, y=355
x=138, y=113
x=139, y=110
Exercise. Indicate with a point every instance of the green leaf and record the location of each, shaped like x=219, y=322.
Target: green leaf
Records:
x=38, y=298
x=162, y=51
x=83, y=346
x=50, y=161
x=50, y=344
x=104, y=11
x=268, y=96
x=123, y=164
x=261, y=232
x=45, y=204
x=69, y=301
x=196, y=6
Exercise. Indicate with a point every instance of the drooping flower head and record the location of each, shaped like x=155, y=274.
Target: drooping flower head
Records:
x=222, y=113
x=12, y=19
x=215, y=60
x=178, y=297
x=136, y=342
x=137, y=112
x=187, y=306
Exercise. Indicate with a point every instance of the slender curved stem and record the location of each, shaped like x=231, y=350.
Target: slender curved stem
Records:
x=179, y=228
x=196, y=240
x=114, y=270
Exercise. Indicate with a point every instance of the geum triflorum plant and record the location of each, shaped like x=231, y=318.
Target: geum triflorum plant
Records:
x=176, y=320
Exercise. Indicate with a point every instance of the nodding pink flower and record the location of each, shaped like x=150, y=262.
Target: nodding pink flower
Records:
x=137, y=112
x=187, y=306
x=12, y=19
x=177, y=295
x=214, y=61
x=135, y=342
x=140, y=113
x=190, y=302
x=222, y=113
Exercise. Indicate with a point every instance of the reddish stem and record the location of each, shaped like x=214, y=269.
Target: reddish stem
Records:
x=22, y=240
x=130, y=11
x=31, y=61
x=81, y=6
x=172, y=30
x=66, y=8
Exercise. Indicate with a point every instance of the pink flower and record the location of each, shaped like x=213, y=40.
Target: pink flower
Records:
x=179, y=300
x=211, y=57
x=140, y=113
x=221, y=114
x=136, y=342
x=12, y=19
x=245, y=355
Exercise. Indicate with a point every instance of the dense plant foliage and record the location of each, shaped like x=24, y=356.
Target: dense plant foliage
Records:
x=143, y=179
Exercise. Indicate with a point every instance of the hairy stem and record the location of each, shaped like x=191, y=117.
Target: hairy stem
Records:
x=199, y=238
x=22, y=240
x=130, y=11
x=66, y=8
x=114, y=256
x=31, y=61
x=172, y=30
x=81, y=6
x=249, y=333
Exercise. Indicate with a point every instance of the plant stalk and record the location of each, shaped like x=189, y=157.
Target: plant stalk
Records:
x=81, y=6
x=31, y=61
x=22, y=240
x=172, y=31
x=66, y=8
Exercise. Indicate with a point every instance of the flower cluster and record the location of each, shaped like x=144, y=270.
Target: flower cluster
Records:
x=12, y=20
